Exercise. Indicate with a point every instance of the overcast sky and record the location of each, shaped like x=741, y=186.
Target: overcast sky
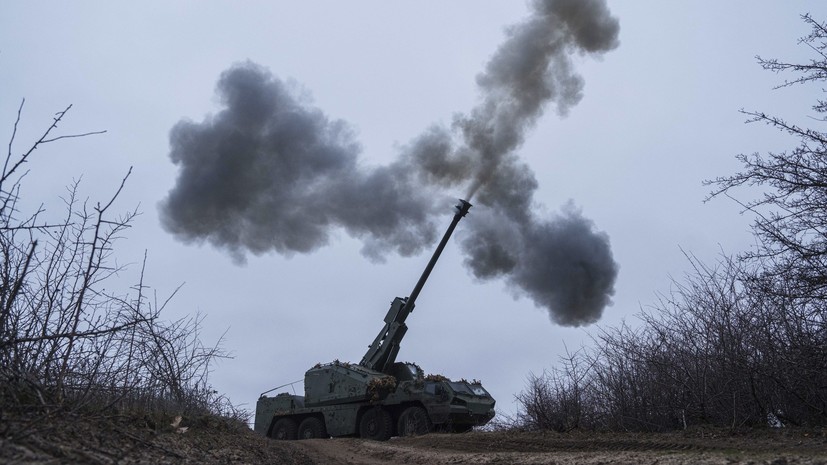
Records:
x=658, y=115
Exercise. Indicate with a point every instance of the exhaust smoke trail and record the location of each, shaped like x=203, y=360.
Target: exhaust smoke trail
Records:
x=270, y=172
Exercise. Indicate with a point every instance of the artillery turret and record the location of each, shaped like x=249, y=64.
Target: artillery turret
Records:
x=381, y=355
x=378, y=397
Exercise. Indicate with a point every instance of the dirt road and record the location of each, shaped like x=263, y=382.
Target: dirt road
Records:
x=550, y=448
x=127, y=440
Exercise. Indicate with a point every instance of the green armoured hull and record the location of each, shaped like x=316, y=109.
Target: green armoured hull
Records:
x=339, y=396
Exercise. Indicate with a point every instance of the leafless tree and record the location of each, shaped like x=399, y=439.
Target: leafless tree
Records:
x=739, y=343
x=67, y=340
x=791, y=216
x=787, y=282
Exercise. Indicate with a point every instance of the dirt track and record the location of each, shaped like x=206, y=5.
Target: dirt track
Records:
x=550, y=448
x=140, y=440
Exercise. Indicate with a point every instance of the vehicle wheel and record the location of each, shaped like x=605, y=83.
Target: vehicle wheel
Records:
x=413, y=421
x=376, y=424
x=312, y=428
x=284, y=429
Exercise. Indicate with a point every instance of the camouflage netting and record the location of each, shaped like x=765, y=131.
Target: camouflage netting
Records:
x=380, y=387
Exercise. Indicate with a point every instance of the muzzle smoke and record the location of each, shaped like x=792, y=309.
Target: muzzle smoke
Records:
x=272, y=173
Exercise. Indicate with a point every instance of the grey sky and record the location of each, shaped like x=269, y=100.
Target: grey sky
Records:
x=657, y=116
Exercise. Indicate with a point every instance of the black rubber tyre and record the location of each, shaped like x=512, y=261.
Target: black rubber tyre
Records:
x=376, y=424
x=284, y=429
x=413, y=422
x=312, y=428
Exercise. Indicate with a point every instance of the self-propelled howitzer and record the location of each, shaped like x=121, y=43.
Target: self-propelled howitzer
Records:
x=379, y=397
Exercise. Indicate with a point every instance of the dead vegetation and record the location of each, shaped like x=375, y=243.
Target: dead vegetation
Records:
x=742, y=343
x=71, y=347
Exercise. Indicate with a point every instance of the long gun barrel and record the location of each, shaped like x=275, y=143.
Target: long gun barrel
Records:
x=462, y=210
x=382, y=353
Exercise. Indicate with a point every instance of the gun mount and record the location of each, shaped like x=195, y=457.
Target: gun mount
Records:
x=381, y=354
x=379, y=397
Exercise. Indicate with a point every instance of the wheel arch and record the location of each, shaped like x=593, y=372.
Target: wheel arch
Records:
x=278, y=418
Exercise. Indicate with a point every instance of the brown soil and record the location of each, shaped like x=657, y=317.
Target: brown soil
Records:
x=700, y=447
x=125, y=440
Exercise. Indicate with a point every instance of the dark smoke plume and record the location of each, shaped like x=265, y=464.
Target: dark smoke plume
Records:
x=270, y=172
x=562, y=264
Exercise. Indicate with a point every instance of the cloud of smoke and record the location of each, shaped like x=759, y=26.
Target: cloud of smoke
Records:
x=562, y=264
x=529, y=70
x=271, y=172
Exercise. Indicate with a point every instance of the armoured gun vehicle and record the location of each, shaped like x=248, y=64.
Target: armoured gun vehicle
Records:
x=378, y=397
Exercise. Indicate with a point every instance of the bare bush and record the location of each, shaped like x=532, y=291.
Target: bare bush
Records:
x=557, y=400
x=714, y=351
x=66, y=340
